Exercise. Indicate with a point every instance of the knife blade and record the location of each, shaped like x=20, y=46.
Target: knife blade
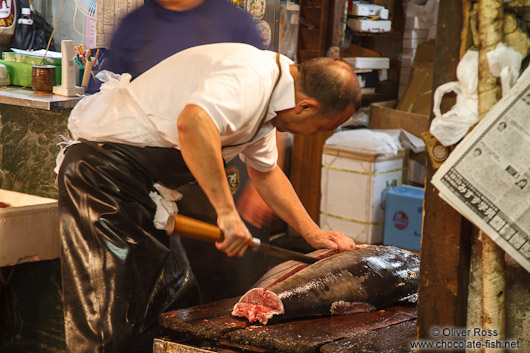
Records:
x=194, y=229
x=276, y=251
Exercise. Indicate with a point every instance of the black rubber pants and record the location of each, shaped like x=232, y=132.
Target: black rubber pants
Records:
x=119, y=272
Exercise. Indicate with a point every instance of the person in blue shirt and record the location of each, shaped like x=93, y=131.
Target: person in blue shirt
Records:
x=161, y=28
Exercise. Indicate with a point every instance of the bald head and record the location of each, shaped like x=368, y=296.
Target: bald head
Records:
x=332, y=82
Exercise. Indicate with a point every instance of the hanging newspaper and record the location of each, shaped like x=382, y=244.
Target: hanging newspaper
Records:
x=487, y=177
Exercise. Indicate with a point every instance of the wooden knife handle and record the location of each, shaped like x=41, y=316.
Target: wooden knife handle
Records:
x=194, y=229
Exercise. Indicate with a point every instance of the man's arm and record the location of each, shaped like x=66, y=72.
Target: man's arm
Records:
x=277, y=191
x=200, y=144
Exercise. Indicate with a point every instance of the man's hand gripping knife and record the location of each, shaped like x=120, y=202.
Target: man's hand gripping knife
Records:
x=200, y=144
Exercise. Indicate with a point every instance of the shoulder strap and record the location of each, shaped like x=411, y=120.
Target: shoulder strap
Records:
x=262, y=121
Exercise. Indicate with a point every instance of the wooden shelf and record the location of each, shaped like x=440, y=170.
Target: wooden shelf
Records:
x=387, y=44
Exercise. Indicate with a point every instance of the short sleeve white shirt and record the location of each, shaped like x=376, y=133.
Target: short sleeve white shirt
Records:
x=232, y=82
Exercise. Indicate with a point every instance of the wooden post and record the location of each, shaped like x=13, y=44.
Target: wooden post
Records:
x=445, y=244
x=490, y=19
x=306, y=157
x=306, y=166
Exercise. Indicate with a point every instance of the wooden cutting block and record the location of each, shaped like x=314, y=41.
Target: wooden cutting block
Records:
x=213, y=321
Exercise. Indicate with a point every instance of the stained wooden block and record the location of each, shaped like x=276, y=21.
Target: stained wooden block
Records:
x=389, y=339
x=214, y=321
x=210, y=320
x=309, y=335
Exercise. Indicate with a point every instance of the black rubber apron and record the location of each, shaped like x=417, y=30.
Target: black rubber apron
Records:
x=119, y=271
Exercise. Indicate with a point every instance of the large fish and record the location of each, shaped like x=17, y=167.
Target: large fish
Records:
x=364, y=279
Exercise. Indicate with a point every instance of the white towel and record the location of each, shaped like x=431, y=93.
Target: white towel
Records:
x=166, y=204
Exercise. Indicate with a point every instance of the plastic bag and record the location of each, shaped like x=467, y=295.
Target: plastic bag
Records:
x=111, y=80
x=505, y=62
x=451, y=127
x=365, y=140
x=113, y=115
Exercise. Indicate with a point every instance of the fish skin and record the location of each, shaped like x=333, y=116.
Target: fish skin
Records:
x=363, y=279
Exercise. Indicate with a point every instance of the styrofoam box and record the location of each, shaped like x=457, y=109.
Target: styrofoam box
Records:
x=415, y=22
x=353, y=186
x=410, y=33
x=407, y=61
x=368, y=63
x=413, y=43
x=416, y=172
x=369, y=10
x=366, y=25
x=414, y=9
x=409, y=51
x=404, y=75
x=403, y=217
x=29, y=228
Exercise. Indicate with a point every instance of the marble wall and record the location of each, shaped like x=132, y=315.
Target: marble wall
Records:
x=31, y=308
x=28, y=148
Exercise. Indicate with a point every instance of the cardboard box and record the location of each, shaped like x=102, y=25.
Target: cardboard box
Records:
x=383, y=115
x=29, y=228
x=418, y=96
x=403, y=217
x=354, y=186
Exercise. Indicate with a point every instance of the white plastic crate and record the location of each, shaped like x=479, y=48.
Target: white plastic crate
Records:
x=29, y=228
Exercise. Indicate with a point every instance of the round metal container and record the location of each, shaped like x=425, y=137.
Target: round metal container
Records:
x=43, y=78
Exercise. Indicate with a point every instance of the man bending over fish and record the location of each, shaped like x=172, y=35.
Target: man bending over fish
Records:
x=177, y=123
